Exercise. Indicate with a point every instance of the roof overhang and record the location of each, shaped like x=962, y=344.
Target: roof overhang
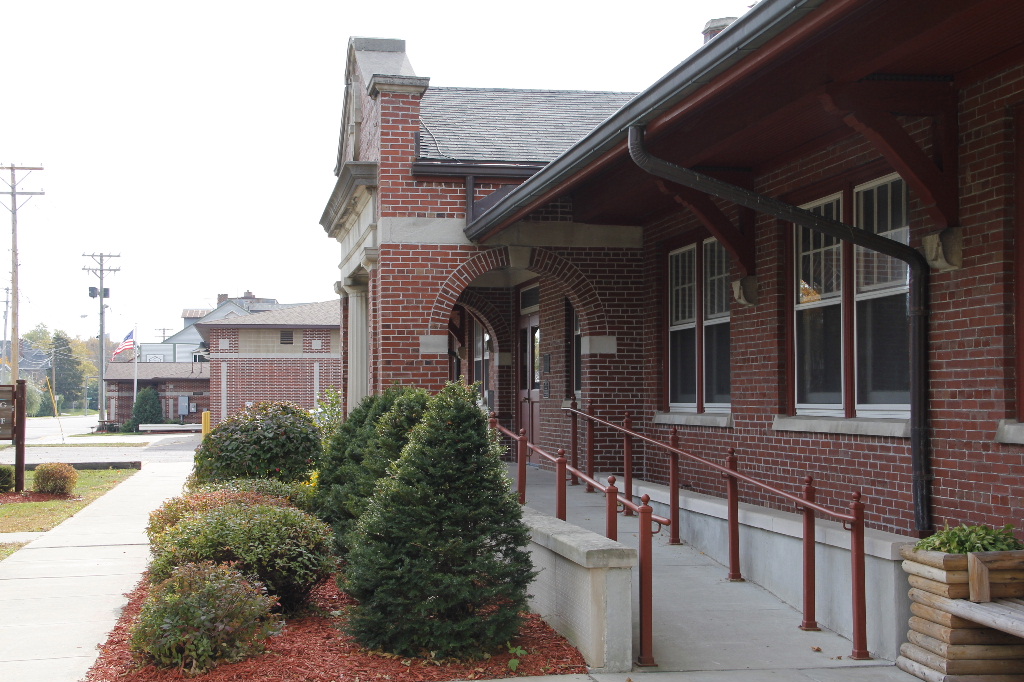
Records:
x=353, y=176
x=787, y=77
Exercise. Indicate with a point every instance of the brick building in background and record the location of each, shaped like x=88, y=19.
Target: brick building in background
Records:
x=182, y=387
x=654, y=264
x=290, y=354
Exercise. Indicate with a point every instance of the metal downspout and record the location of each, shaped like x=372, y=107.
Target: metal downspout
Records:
x=919, y=439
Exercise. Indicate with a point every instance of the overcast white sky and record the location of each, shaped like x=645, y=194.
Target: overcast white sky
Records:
x=197, y=139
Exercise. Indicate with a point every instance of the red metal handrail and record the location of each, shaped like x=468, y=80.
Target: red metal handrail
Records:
x=853, y=521
x=566, y=474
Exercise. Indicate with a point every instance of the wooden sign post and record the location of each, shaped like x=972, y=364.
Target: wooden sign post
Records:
x=12, y=426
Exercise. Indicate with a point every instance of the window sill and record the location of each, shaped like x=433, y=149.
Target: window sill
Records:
x=861, y=426
x=719, y=420
x=1010, y=431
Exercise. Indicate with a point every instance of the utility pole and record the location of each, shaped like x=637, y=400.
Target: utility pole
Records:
x=13, y=208
x=101, y=293
x=163, y=332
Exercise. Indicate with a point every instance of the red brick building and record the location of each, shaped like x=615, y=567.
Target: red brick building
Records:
x=801, y=243
x=183, y=389
x=290, y=354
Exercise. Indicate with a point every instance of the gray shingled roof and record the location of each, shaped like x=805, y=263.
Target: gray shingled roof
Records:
x=151, y=371
x=324, y=314
x=488, y=124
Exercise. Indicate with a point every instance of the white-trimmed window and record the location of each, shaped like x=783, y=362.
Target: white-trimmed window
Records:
x=698, y=328
x=871, y=355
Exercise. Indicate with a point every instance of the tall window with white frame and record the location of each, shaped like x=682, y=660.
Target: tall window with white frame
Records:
x=872, y=352
x=698, y=330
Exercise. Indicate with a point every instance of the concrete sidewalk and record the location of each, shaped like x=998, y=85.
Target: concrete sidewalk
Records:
x=63, y=592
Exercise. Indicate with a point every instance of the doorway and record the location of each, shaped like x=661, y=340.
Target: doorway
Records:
x=529, y=371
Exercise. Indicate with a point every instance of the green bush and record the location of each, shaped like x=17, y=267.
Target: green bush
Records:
x=146, y=410
x=329, y=414
x=6, y=478
x=964, y=539
x=268, y=440
x=202, y=615
x=57, y=478
x=286, y=549
x=438, y=561
x=344, y=482
x=298, y=494
x=177, y=508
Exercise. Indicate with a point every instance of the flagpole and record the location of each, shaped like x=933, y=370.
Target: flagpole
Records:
x=135, y=384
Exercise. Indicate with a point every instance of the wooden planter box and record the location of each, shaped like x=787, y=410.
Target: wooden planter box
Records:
x=943, y=647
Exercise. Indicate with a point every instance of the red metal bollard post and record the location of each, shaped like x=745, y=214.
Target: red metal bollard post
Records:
x=734, y=518
x=560, y=481
x=521, y=456
x=575, y=440
x=627, y=462
x=860, y=609
x=590, y=446
x=809, y=622
x=611, y=496
x=673, y=489
x=646, y=585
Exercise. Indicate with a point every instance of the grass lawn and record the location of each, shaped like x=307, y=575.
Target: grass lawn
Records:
x=9, y=548
x=41, y=516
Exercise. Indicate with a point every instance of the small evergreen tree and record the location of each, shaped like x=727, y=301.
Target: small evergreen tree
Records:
x=146, y=410
x=392, y=432
x=439, y=564
x=341, y=465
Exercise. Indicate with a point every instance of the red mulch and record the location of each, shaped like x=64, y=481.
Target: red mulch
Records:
x=29, y=496
x=311, y=648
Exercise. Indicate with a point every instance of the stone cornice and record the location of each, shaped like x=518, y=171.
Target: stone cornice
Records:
x=405, y=84
x=353, y=175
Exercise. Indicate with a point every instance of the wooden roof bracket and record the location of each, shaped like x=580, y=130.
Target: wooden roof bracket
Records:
x=738, y=244
x=871, y=108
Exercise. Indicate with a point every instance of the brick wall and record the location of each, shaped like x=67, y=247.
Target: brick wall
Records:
x=257, y=379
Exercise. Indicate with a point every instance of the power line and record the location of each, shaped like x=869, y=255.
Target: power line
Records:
x=13, y=208
x=101, y=293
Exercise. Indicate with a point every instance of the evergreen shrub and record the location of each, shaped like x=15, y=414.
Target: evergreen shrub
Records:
x=175, y=509
x=6, y=478
x=268, y=440
x=202, y=615
x=438, y=561
x=147, y=410
x=286, y=549
x=56, y=478
x=342, y=476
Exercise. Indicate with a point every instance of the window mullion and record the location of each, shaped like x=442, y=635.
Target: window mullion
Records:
x=699, y=304
x=849, y=287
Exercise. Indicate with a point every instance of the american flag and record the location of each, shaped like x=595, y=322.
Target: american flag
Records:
x=127, y=344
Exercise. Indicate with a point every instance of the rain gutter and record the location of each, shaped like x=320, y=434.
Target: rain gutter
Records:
x=919, y=269
x=717, y=66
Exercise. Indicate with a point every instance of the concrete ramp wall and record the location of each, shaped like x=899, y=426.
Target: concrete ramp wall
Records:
x=584, y=589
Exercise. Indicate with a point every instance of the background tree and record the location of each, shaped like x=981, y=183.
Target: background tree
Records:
x=67, y=372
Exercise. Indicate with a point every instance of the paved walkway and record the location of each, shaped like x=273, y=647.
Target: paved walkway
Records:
x=63, y=592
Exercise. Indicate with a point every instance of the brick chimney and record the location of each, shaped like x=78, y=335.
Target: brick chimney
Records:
x=716, y=26
x=222, y=298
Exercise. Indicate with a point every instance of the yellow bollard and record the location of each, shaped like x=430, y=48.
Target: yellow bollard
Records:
x=206, y=422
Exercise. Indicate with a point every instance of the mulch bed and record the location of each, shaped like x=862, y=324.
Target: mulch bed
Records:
x=29, y=496
x=312, y=648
